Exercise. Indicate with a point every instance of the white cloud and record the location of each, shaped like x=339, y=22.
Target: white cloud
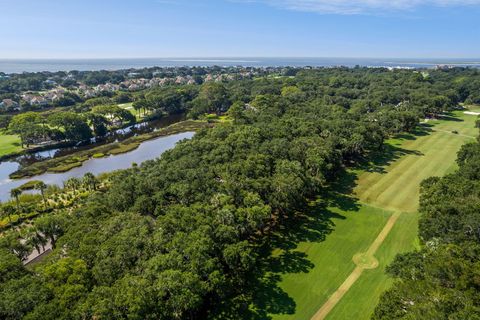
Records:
x=361, y=6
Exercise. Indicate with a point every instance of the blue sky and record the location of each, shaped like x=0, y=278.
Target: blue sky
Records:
x=236, y=28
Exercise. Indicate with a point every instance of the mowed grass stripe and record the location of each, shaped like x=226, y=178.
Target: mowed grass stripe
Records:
x=403, y=193
x=360, y=301
x=365, y=260
x=395, y=189
x=331, y=259
x=398, y=190
x=439, y=150
x=394, y=178
x=368, y=182
x=467, y=128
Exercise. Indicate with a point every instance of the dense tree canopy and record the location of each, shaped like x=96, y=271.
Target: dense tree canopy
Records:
x=169, y=238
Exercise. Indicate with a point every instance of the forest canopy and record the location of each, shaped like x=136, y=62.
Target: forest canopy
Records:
x=173, y=236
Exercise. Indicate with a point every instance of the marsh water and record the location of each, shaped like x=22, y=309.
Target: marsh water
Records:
x=148, y=150
x=117, y=135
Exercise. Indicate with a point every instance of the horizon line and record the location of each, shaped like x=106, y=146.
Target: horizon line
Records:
x=241, y=57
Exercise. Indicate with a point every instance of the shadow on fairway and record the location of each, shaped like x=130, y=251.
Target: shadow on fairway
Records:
x=390, y=153
x=450, y=116
x=421, y=131
x=278, y=255
x=261, y=296
x=378, y=160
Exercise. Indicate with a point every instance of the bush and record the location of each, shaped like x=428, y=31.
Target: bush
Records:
x=30, y=185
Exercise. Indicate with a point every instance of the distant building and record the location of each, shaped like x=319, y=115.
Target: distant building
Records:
x=108, y=87
x=51, y=96
x=39, y=101
x=208, y=78
x=133, y=74
x=9, y=105
x=443, y=67
x=51, y=82
x=89, y=93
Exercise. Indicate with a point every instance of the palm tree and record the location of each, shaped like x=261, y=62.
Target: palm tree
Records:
x=36, y=240
x=8, y=210
x=15, y=193
x=3, y=212
x=51, y=227
x=41, y=186
x=73, y=184
x=90, y=181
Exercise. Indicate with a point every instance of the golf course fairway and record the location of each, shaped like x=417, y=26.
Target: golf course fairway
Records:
x=351, y=240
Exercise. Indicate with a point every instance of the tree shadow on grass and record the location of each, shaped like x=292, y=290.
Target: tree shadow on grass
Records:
x=450, y=116
x=420, y=131
x=262, y=295
x=279, y=256
x=377, y=161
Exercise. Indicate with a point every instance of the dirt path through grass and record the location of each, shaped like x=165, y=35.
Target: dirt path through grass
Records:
x=460, y=134
x=357, y=272
x=345, y=268
x=394, y=190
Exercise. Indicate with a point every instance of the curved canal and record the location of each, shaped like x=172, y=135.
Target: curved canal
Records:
x=148, y=150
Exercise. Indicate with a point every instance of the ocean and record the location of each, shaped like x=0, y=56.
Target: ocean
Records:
x=38, y=65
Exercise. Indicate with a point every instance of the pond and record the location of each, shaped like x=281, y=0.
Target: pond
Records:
x=117, y=135
x=148, y=150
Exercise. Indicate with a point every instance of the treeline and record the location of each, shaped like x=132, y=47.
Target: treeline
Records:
x=360, y=90
x=442, y=279
x=396, y=99
x=36, y=128
x=174, y=237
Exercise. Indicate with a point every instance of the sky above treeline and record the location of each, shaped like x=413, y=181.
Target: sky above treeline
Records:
x=236, y=28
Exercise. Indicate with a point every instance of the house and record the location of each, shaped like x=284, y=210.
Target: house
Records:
x=133, y=74
x=59, y=90
x=89, y=93
x=52, y=96
x=9, y=105
x=163, y=81
x=83, y=87
x=50, y=82
x=38, y=101
x=134, y=87
x=443, y=67
x=108, y=87
x=180, y=80
x=69, y=77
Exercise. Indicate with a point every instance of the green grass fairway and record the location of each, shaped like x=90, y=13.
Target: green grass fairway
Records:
x=328, y=261
x=389, y=184
x=9, y=144
x=360, y=301
x=139, y=115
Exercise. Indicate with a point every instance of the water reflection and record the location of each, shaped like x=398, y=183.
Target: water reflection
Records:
x=146, y=151
x=115, y=136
